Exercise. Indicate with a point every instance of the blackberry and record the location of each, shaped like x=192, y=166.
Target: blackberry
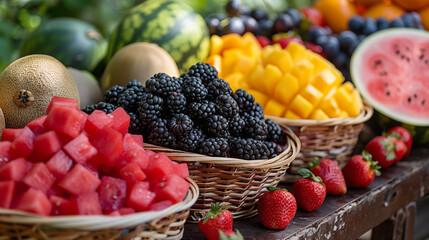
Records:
x=218, y=87
x=159, y=133
x=255, y=128
x=193, y=89
x=217, y=126
x=175, y=102
x=133, y=83
x=236, y=125
x=254, y=110
x=202, y=110
x=112, y=94
x=248, y=149
x=190, y=140
x=178, y=80
x=275, y=149
x=106, y=107
x=181, y=124
x=88, y=109
x=226, y=106
x=216, y=147
x=135, y=124
x=150, y=108
x=130, y=98
x=244, y=100
x=274, y=131
x=161, y=84
x=204, y=71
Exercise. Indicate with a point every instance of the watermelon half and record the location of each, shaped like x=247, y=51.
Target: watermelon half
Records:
x=390, y=69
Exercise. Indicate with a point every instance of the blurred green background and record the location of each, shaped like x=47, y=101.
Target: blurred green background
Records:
x=19, y=17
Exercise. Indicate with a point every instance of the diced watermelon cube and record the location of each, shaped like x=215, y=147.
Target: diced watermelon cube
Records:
x=35, y=201
x=59, y=164
x=158, y=206
x=65, y=120
x=132, y=173
x=5, y=152
x=121, y=120
x=37, y=125
x=181, y=170
x=112, y=193
x=45, y=145
x=174, y=189
x=139, y=139
x=141, y=198
x=79, y=180
x=39, y=177
x=9, y=134
x=14, y=170
x=80, y=149
x=137, y=155
x=23, y=146
x=149, y=153
x=93, y=169
x=159, y=167
x=64, y=102
x=108, y=142
x=62, y=206
x=57, y=191
x=113, y=213
x=7, y=190
x=129, y=142
x=89, y=204
x=126, y=211
x=96, y=121
x=20, y=189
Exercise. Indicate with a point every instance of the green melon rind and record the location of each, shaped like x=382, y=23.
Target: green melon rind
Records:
x=386, y=118
x=171, y=24
x=73, y=42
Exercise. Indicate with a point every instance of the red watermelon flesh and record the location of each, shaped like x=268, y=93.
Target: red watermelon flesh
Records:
x=132, y=173
x=35, y=201
x=23, y=146
x=59, y=164
x=39, y=177
x=79, y=180
x=96, y=121
x=121, y=120
x=9, y=134
x=37, y=125
x=88, y=204
x=7, y=190
x=14, y=170
x=62, y=206
x=112, y=193
x=173, y=189
x=60, y=101
x=46, y=145
x=158, y=206
x=5, y=152
x=108, y=142
x=65, y=120
x=80, y=149
x=141, y=198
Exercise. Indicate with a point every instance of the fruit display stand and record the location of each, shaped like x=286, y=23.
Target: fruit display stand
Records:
x=164, y=224
x=331, y=138
x=234, y=182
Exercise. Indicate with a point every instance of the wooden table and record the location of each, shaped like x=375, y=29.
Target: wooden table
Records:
x=388, y=206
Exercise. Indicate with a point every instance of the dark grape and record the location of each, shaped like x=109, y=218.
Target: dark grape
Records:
x=341, y=60
x=417, y=21
x=331, y=46
x=397, y=23
x=233, y=8
x=408, y=20
x=235, y=25
x=283, y=23
x=213, y=24
x=370, y=27
x=259, y=14
x=295, y=15
x=250, y=24
x=346, y=38
x=315, y=32
x=382, y=23
x=265, y=27
x=352, y=46
x=356, y=24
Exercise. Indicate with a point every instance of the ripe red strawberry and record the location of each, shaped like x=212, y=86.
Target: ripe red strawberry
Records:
x=218, y=218
x=309, y=190
x=386, y=151
x=314, y=16
x=403, y=134
x=276, y=208
x=284, y=41
x=230, y=235
x=331, y=175
x=263, y=41
x=360, y=170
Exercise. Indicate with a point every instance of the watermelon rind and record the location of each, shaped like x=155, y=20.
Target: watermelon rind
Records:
x=73, y=42
x=171, y=24
x=385, y=117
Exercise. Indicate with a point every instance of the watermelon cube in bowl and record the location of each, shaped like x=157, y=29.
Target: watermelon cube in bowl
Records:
x=64, y=102
x=39, y=177
x=79, y=180
x=65, y=120
x=7, y=189
x=45, y=145
x=112, y=193
x=80, y=149
x=14, y=170
x=35, y=201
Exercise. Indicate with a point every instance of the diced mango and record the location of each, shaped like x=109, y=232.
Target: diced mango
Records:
x=244, y=64
x=303, y=70
x=291, y=115
x=235, y=80
x=274, y=108
x=297, y=51
x=268, y=50
x=286, y=89
x=312, y=94
x=321, y=63
x=301, y=106
x=216, y=45
x=343, y=98
x=344, y=114
x=281, y=59
x=355, y=105
x=325, y=81
x=318, y=114
x=232, y=40
x=271, y=78
x=230, y=58
x=216, y=61
x=330, y=107
x=255, y=76
x=259, y=96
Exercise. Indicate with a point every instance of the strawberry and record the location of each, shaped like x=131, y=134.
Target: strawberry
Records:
x=403, y=134
x=331, y=175
x=315, y=48
x=384, y=150
x=360, y=170
x=314, y=16
x=284, y=41
x=263, y=41
x=218, y=218
x=276, y=208
x=230, y=235
x=309, y=191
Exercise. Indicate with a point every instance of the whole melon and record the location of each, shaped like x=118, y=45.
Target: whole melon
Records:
x=2, y=123
x=88, y=87
x=138, y=61
x=27, y=86
x=171, y=24
x=390, y=69
x=73, y=42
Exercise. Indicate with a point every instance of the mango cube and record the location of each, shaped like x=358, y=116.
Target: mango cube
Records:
x=255, y=76
x=235, y=80
x=325, y=81
x=318, y=114
x=303, y=70
x=301, y=106
x=330, y=107
x=312, y=94
x=232, y=41
x=216, y=45
x=271, y=78
x=281, y=59
x=291, y=115
x=286, y=89
x=297, y=51
x=274, y=108
x=259, y=96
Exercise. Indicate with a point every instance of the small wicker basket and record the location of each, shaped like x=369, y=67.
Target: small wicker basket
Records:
x=231, y=181
x=332, y=138
x=164, y=224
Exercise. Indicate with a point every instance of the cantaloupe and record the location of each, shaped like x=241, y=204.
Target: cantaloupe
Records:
x=27, y=86
x=137, y=61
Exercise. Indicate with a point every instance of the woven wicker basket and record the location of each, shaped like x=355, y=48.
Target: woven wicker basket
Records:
x=165, y=224
x=231, y=181
x=332, y=138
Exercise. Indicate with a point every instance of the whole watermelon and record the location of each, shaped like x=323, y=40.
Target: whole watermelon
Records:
x=171, y=24
x=73, y=42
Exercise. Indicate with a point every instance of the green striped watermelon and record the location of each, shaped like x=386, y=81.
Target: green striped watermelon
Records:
x=73, y=42
x=171, y=24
